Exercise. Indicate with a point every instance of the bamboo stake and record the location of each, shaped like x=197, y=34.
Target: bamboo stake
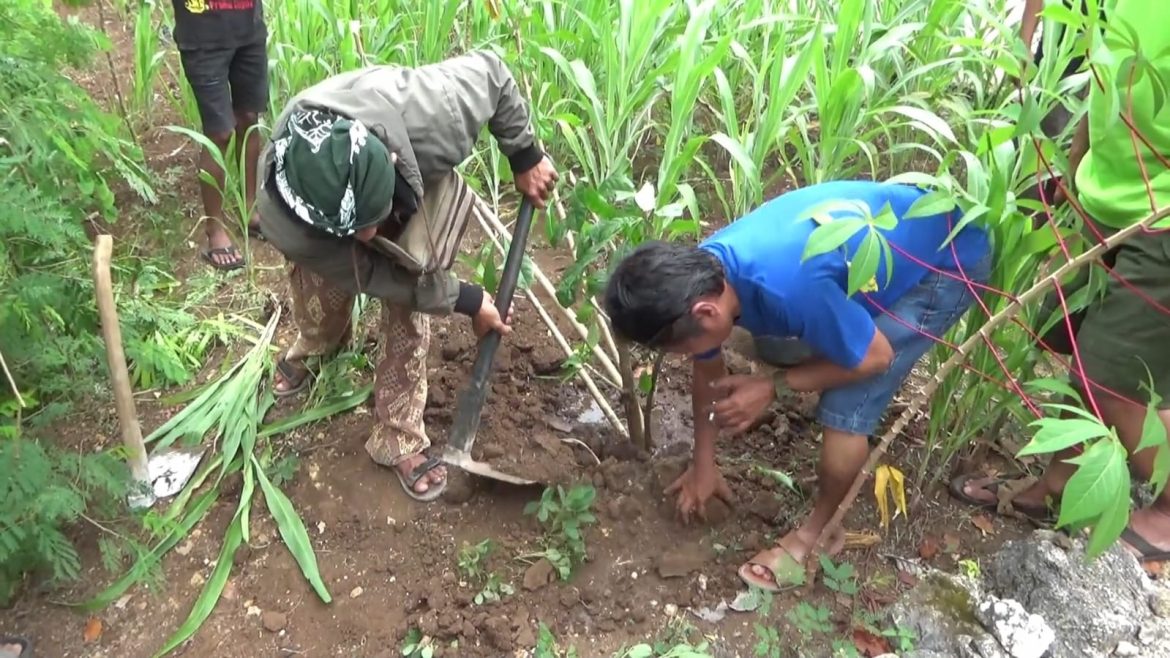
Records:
x=602, y=403
x=962, y=352
x=116, y=357
x=607, y=364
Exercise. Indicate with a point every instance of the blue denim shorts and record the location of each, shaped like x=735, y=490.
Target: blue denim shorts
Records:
x=930, y=309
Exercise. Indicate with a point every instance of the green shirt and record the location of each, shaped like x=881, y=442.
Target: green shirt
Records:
x=1109, y=181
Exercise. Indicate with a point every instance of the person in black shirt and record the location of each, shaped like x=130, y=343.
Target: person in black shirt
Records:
x=222, y=48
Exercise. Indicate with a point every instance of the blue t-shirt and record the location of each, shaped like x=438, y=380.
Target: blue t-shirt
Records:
x=781, y=296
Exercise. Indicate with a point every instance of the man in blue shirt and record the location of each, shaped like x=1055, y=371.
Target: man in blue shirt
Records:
x=855, y=350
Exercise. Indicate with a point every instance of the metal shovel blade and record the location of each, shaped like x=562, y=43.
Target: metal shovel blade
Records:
x=468, y=411
x=469, y=404
x=169, y=470
x=464, y=461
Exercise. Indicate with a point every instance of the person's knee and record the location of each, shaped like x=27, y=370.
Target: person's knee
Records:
x=246, y=119
x=219, y=138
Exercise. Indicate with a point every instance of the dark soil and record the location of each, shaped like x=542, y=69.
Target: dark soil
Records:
x=391, y=564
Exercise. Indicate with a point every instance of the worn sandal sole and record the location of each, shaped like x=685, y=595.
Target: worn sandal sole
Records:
x=959, y=483
x=26, y=648
x=207, y=254
x=290, y=374
x=1149, y=552
x=417, y=473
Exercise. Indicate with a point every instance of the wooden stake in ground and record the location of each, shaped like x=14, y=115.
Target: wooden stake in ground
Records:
x=116, y=357
x=962, y=352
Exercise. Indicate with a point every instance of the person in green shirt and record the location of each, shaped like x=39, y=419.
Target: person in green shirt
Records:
x=1121, y=159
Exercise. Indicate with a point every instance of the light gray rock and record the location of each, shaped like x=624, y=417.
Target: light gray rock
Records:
x=1126, y=649
x=1021, y=634
x=1153, y=640
x=1091, y=606
x=1160, y=602
x=939, y=610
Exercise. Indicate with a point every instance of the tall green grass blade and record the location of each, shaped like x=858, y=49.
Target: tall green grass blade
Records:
x=326, y=409
x=292, y=530
x=211, y=592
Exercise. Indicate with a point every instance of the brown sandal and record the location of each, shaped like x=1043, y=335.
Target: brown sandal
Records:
x=959, y=484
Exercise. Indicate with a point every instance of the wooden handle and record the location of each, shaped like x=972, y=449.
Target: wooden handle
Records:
x=119, y=374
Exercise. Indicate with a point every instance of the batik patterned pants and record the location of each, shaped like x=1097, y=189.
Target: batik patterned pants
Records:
x=322, y=315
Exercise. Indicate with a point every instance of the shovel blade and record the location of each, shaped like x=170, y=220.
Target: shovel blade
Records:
x=170, y=469
x=464, y=461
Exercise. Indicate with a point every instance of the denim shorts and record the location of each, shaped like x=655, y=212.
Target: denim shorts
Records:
x=930, y=309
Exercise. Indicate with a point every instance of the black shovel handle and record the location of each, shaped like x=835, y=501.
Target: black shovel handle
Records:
x=491, y=342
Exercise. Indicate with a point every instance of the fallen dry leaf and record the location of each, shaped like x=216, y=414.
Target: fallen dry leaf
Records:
x=907, y=578
x=983, y=522
x=93, y=630
x=950, y=542
x=868, y=644
x=928, y=548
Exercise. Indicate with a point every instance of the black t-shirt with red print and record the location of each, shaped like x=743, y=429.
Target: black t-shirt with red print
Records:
x=218, y=23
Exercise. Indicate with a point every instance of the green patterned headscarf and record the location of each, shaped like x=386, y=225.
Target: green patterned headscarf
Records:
x=332, y=173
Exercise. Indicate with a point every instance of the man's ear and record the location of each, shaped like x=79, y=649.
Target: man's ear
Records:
x=705, y=309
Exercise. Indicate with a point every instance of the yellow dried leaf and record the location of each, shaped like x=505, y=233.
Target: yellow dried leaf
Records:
x=493, y=9
x=881, y=480
x=888, y=483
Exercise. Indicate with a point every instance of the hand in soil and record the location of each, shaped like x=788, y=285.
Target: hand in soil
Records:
x=745, y=399
x=695, y=487
x=488, y=319
x=434, y=477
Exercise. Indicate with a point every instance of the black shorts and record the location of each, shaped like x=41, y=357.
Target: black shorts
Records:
x=227, y=81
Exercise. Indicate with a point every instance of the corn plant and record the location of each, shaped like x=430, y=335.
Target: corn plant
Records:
x=231, y=409
x=148, y=59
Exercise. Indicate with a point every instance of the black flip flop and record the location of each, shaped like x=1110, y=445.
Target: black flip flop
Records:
x=26, y=648
x=292, y=375
x=959, y=483
x=235, y=264
x=1149, y=552
x=417, y=473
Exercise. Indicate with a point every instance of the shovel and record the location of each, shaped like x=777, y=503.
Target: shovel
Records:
x=469, y=404
x=164, y=473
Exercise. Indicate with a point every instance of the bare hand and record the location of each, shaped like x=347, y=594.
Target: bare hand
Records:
x=488, y=319
x=695, y=487
x=744, y=399
x=538, y=182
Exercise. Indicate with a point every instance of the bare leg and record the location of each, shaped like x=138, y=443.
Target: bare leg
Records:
x=214, y=222
x=842, y=457
x=249, y=139
x=1153, y=522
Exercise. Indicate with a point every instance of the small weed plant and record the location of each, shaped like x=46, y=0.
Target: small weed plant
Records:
x=564, y=515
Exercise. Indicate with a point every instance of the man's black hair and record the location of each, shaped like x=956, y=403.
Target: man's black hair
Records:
x=650, y=293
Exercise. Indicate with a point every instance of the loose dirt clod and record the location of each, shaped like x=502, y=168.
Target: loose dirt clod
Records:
x=538, y=575
x=680, y=562
x=274, y=621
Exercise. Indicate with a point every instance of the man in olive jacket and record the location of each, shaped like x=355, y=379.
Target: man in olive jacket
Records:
x=358, y=191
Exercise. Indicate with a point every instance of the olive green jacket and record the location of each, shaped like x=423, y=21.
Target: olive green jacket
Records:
x=430, y=117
